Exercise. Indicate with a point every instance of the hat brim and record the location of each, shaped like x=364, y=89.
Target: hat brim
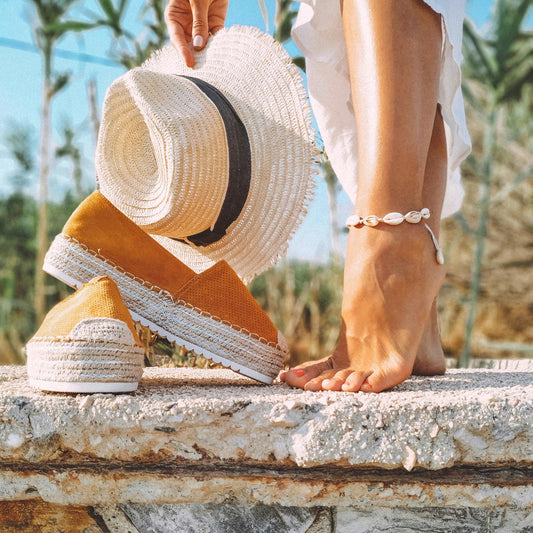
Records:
x=257, y=76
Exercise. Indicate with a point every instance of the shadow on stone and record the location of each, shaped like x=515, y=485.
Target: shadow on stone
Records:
x=219, y=518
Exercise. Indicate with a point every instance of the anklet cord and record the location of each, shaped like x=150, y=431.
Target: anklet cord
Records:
x=393, y=219
x=439, y=256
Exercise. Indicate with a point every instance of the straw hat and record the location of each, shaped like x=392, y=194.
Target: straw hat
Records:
x=216, y=161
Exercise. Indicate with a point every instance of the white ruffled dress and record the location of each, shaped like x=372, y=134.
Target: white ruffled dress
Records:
x=319, y=35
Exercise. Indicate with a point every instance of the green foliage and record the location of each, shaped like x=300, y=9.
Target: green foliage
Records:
x=50, y=24
x=130, y=50
x=502, y=61
x=304, y=301
x=70, y=150
x=18, y=223
x=20, y=140
x=500, y=69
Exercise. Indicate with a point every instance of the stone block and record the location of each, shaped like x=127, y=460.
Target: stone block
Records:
x=213, y=518
x=433, y=520
x=194, y=416
x=37, y=516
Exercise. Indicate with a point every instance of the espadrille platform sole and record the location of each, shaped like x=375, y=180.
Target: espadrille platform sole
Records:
x=74, y=263
x=98, y=355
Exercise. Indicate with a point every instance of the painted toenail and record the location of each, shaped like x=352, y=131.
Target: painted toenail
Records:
x=299, y=372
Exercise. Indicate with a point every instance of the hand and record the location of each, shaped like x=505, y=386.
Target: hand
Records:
x=190, y=22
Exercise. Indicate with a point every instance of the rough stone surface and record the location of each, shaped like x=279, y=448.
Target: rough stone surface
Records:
x=81, y=486
x=212, y=451
x=228, y=518
x=39, y=517
x=466, y=417
x=43, y=517
x=433, y=520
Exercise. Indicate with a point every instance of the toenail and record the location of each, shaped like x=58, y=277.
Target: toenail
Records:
x=299, y=372
x=326, y=383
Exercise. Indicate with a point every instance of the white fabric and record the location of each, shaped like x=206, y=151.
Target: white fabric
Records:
x=319, y=35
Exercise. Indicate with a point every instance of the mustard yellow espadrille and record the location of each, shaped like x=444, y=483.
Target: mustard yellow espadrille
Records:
x=212, y=313
x=87, y=343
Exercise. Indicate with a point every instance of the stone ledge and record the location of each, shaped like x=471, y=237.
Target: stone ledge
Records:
x=211, y=436
x=466, y=417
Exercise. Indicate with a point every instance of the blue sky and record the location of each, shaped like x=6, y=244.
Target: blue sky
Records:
x=20, y=99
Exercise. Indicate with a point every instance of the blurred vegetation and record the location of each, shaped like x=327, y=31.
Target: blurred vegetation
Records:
x=486, y=303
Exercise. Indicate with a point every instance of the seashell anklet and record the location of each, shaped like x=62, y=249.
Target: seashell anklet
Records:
x=393, y=219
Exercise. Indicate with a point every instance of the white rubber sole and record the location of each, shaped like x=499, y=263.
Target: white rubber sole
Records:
x=77, y=270
x=82, y=387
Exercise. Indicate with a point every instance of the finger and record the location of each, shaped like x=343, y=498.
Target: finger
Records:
x=216, y=28
x=216, y=20
x=179, y=41
x=200, y=27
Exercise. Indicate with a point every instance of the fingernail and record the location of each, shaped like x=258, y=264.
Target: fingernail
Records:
x=198, y=41
x=299, y=372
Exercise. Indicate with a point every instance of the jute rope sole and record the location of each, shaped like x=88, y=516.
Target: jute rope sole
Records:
x=74, y=264
x=71, y=365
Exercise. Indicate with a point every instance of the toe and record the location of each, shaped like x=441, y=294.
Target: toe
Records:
x=385, y=379
x=374, y=383
x=317, y=383
x=300, y=375
x=355, y=380
x=337, y=381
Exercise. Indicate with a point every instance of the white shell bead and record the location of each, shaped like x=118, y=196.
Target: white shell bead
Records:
x=413, y=217
x=371, y=220
x=393, y=218
x=353, y=220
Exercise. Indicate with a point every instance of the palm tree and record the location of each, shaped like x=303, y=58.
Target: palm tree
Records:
x=332, y=187
x=49, y=27
x=71, y=151
x=502, y=63
x=130, y=50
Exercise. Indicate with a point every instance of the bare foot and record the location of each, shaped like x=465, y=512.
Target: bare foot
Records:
x=391, y=280
x=430, y=359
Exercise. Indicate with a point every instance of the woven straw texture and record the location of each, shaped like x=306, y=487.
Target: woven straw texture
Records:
x=162, y=151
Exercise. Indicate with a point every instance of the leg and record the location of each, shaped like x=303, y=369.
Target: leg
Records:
x=430, y=358
x=391, y=277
